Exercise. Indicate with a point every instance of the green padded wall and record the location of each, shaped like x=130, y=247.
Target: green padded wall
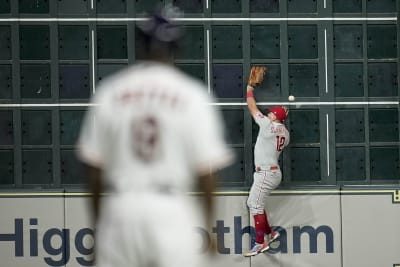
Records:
x=343, y=72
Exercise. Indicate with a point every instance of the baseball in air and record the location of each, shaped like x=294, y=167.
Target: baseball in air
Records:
x=291, y=98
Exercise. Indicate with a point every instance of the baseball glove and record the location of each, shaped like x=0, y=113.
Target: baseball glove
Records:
x=256, y=75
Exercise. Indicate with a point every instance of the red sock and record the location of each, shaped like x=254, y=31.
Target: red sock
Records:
x=267, y=226
x=259, y=225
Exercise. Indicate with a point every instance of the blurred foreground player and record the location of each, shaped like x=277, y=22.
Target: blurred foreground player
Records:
x=149, y=139
x=272, y=138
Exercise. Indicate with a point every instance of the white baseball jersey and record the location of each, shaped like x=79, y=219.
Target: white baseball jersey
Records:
x=272, y=138
x=152, y=132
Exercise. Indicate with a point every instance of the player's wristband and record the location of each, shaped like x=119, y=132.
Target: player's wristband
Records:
x=250, y=94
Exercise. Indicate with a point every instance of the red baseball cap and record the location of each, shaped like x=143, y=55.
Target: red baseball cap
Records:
x=280, y=112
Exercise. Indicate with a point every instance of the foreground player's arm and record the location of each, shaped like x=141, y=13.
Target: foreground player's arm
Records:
x=95, y=184
x=207, y=151
x=251, y=101
x=93, y=147
x=206, y=186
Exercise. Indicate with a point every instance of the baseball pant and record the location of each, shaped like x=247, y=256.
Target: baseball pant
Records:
x=146, y=231
x=264, y=182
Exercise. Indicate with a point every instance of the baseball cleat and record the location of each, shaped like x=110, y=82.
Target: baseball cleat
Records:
x=258, y=248
x=273, y=236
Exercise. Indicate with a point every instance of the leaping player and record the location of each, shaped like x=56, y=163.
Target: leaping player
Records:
x=272, y=138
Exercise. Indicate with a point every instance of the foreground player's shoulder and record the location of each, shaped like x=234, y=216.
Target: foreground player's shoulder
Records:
x=191, y=88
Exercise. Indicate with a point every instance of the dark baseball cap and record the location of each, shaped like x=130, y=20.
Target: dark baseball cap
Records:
x=160, y=24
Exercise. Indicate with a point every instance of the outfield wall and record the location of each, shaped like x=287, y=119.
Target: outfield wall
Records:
x=327, y=228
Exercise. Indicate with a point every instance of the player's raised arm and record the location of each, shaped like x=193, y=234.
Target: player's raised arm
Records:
x=251, y=101
x=256, y=77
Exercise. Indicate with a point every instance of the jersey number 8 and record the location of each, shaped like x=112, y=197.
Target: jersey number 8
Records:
x=146, y=139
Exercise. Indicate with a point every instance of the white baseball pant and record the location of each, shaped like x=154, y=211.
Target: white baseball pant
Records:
x=146, y=230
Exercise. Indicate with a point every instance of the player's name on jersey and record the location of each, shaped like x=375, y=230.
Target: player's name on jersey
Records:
x=152, y=96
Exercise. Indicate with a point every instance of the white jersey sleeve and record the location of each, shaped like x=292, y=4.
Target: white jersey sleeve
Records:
x=261, y=119
x=92, y=143
x=208, y=148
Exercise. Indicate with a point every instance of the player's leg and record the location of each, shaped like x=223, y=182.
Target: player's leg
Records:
x=116, y=237
x=175, y=233
x=272, y=181
x=267, y=226
x=264, y=183
x=257, y=193
x=255, y=202
x=272, y=235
